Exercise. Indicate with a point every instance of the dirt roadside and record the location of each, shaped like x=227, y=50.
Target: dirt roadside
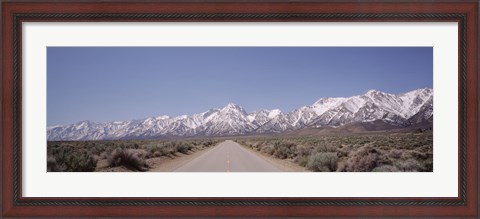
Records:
x=157, y=164
x=286, y=165
x=167, y=164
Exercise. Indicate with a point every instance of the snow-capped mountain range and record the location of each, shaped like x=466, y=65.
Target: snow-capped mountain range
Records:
x=395, y=110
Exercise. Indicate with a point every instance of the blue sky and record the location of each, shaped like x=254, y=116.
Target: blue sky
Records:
x=123, y=83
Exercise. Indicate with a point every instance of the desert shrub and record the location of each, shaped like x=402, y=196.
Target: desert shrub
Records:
x=325, y=148
x=183, y=147
x=302, y=150
x=385, y=168
x=364, y=163
x=395, y=153
x=103, y=155
x=65, y=157
x=109, y=149
x=96, y=149
x=151, y=148
x=409, y=165
x=428, y=164
x=256, y=145
x=341, y=152
x=284, y=150
x=268, y=149
x=323, y=162
x=362, y=160
x=80, y=161
x=341, y=165
x=425, y=149
x=157, y=154
x=60, y=153
x=303, y=153
x=52, y=165
x=127, y=158
x=166, y=150
x=419, y=155
x=208, y=143
x=170, y=147
x=301, y=160
x=383, y=158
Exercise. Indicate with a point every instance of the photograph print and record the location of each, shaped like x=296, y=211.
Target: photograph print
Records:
x=240, y=109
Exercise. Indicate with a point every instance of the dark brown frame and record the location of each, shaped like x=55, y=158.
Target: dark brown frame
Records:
x=16, y=12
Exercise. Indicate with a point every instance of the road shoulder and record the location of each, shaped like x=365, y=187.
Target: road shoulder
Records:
x=166, y=164
x=285, y=165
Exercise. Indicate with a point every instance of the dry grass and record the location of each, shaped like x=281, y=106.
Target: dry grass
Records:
x=323, y=162
x=388, y=152
x=66, y=156
x=128, y=158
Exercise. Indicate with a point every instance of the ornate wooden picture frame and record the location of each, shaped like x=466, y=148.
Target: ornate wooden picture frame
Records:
x=15, y=13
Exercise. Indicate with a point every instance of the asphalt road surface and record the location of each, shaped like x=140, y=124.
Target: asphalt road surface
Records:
x=228, y=156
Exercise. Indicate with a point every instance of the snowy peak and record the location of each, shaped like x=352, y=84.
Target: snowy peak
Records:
x=424, y=91
x=328, y=101
x=162, y=117
x=325, y=104
x=373, y=92
x=396, y=110
x=274, y=113
x=260, y=117
x=233, y=108
x=421, y=94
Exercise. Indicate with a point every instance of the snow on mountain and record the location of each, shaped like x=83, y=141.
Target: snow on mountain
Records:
x=263, y=116
x=424, y=114
x=400, y=110
x=230, y=120
x=373, y=105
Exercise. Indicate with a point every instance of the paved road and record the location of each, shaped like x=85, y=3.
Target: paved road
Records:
x=228, y=156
